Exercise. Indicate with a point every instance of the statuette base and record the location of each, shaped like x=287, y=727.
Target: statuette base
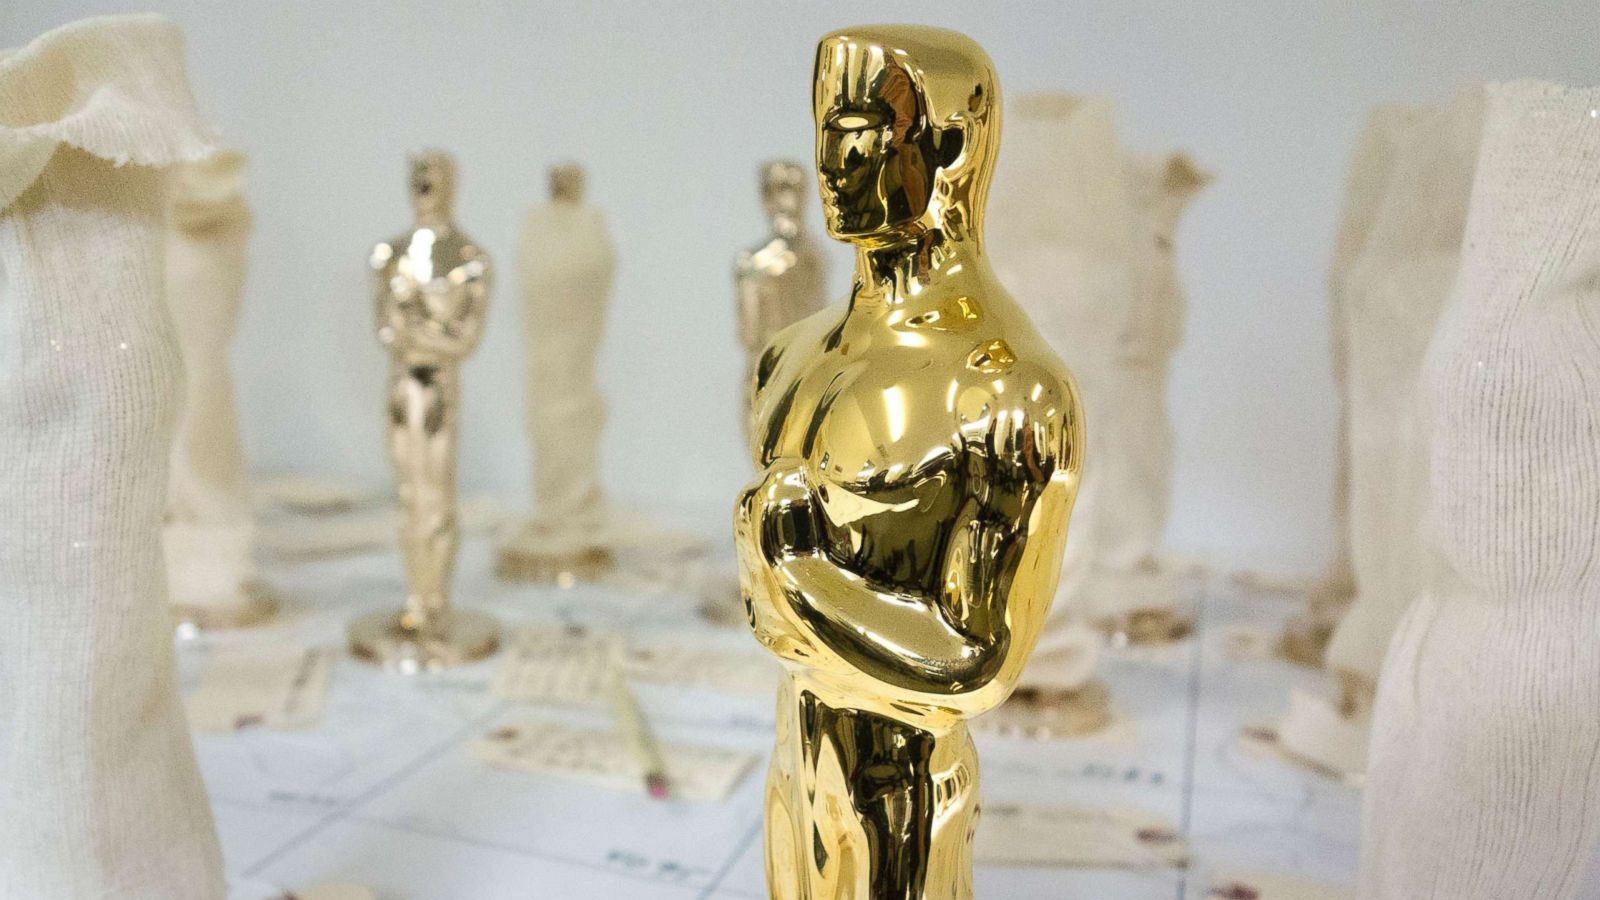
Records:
x=455, y=637
x=518, y=561
x=1306, y=637
x=253, y=604
x=1145, y=627
x=1330, y=737
x=1050, y=714
x=1149, y=603
x=1305, y=641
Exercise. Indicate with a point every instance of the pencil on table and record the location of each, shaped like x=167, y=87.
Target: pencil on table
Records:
x=636, y=731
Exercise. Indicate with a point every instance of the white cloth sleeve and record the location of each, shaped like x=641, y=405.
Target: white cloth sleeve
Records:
x=210, y=528
x=1484, y=776
x=1370, y=166
x=99, y=793
x=1392, y=297
x=568, y=264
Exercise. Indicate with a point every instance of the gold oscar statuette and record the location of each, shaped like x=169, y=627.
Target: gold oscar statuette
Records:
x=918, y=452
x=432, y=286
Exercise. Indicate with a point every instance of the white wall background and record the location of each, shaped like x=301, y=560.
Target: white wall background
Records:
x=671, y=106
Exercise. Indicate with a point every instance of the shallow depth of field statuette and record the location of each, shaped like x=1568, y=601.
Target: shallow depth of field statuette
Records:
x=567, y=261
x=1305, y=638
x=919, y=455
x=1135, y=590
x=779, y=281
x=210, y=531
x=1392, y=298
x=432, y=287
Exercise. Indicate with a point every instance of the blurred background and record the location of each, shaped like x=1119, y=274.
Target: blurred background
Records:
x=670, y=107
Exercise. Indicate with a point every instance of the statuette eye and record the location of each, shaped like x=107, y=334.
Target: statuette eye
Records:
x=855, y=121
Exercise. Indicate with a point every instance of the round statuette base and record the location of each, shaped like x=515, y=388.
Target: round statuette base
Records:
x=521, y=563
x=253, y=604
x=1050, y=713
x=1146, y=627
x=454, y=637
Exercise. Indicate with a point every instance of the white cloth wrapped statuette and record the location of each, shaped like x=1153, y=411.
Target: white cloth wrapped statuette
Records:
x=209, y=534
x=1385, y=304
x=1484, y=778
x=1315, y=729
x=1139, y=470
x=1370, y=168
x=1393, y=295
x=1132, y=590
x=99, y=794
x=567, y=262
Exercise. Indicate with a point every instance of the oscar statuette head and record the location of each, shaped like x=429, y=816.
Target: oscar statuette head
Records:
x=566, y=183
x=908, y=126
x=433, y=185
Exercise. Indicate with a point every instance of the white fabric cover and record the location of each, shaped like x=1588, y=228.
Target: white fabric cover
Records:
x=1484, y=779
x=209, y=531
x=1370, y=168
x=1314, y=728
x=1061, y=240
x=567, y=262
x=1392, y=298
x=1138, y=469
x=99, y=794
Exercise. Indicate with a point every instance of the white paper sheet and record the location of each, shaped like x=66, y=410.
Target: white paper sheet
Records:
x=1013, y=834
x=261, y=688
x=695, y=772
x=563, y=665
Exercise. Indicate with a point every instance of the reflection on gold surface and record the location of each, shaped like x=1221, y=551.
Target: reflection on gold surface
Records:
x=918, y=450
x=432, y=287
x=783, y=279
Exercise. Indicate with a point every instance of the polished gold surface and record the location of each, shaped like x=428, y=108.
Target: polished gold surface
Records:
x=918, y=450
x=432, y=288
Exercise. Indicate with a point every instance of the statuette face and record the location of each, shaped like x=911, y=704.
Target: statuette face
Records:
x=918, y=452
